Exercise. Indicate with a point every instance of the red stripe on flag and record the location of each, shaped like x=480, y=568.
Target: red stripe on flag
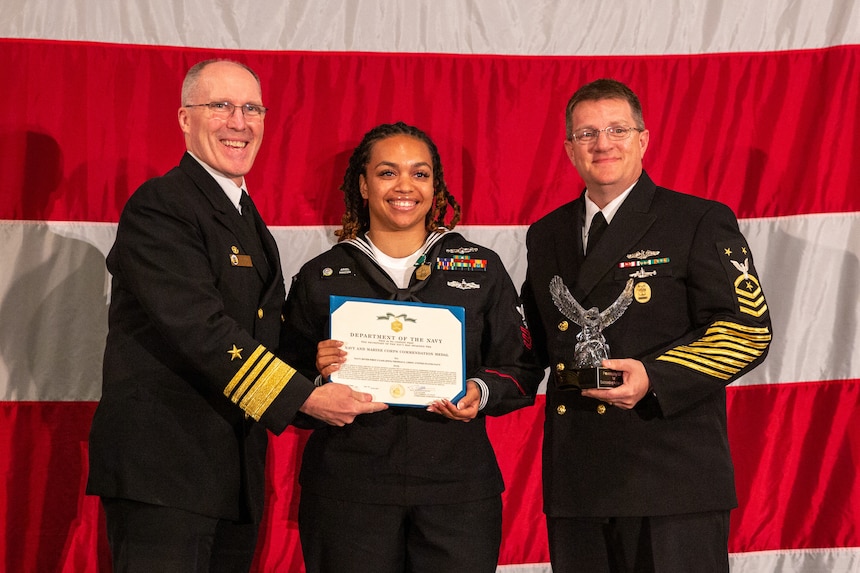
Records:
x=795, y=449
x=761, y=132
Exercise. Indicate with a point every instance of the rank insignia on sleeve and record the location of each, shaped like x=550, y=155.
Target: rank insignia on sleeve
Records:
x=737, y=262
x=235, y=353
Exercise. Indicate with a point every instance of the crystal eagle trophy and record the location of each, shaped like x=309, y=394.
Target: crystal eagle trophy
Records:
x=591, y=348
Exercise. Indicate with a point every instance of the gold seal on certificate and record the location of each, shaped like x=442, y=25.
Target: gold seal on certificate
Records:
x=402, y=353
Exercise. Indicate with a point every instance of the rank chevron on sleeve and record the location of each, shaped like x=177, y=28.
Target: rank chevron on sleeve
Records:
x=750, y=297
x=748, y=292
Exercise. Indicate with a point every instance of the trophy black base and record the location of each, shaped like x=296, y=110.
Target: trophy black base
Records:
x=588, y=378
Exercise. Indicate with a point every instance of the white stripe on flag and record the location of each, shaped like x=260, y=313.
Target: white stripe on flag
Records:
x=54, y=296
x=539, y=27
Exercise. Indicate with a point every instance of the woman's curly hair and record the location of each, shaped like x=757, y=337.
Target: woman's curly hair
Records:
x=356, y=218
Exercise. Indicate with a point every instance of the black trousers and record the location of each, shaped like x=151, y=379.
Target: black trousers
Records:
x=695, y=542
x=350, y=537
x=147, y=538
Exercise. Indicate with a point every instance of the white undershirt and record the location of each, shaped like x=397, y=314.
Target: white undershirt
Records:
x=400, y=269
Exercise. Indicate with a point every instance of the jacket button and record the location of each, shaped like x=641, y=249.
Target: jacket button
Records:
x=601, y=409
x=260, y=312
x=562, y=410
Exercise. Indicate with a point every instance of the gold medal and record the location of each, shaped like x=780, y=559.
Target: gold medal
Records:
x=422, y=272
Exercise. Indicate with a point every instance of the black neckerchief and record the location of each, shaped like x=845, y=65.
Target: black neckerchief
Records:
x=372, y=268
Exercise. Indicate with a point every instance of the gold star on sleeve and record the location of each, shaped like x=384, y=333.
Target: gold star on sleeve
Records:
x=235, y=353
x=728, y=252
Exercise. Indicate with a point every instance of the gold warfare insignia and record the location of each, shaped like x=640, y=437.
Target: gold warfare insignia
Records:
x=747, y=289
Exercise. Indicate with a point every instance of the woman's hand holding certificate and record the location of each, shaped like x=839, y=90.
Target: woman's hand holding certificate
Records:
x=464, y=410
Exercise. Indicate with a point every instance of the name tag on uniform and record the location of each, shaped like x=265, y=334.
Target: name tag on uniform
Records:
x=241, y=260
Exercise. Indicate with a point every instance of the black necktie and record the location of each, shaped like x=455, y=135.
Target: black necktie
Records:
x=598, y=225
x=249, y=217
x=248, y=212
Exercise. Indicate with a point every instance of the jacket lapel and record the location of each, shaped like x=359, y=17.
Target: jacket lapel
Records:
x=567, y=243
x=227, y=214
x=630, y=223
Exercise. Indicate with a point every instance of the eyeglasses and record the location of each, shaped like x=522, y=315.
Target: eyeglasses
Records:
x=613, y=132
x=225, y=109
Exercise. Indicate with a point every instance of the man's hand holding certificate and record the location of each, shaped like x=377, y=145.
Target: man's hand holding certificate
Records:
x=405, y=354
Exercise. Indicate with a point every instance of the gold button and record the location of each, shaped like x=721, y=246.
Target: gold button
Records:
x=283, y=319
x=559, y=367
x=563, y=325
x=562, y=410
x=260, y=312
x=601, y=409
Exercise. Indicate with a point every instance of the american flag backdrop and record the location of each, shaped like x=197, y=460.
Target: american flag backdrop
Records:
x=756, y=105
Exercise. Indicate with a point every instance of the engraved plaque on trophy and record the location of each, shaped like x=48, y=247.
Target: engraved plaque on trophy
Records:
x=585, y=371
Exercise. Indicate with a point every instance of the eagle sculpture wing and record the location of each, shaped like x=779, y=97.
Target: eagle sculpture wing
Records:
x=565, y=302
x=618, y=307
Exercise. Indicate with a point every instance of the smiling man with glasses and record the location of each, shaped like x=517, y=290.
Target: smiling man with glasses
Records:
x=190, y=383
x=638, y=477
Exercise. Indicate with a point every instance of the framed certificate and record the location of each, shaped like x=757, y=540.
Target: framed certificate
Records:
x=403, y=353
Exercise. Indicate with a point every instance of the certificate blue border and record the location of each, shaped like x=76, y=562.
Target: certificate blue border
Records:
x=336, y=301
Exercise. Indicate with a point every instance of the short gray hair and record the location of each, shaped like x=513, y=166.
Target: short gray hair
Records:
x=189, y=84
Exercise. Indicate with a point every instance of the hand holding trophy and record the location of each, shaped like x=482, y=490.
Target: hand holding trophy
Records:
x=591, y=348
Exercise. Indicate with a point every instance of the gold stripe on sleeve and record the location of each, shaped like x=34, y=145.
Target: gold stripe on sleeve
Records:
x=252, y=359
x=269, y=385
x=725, y=349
